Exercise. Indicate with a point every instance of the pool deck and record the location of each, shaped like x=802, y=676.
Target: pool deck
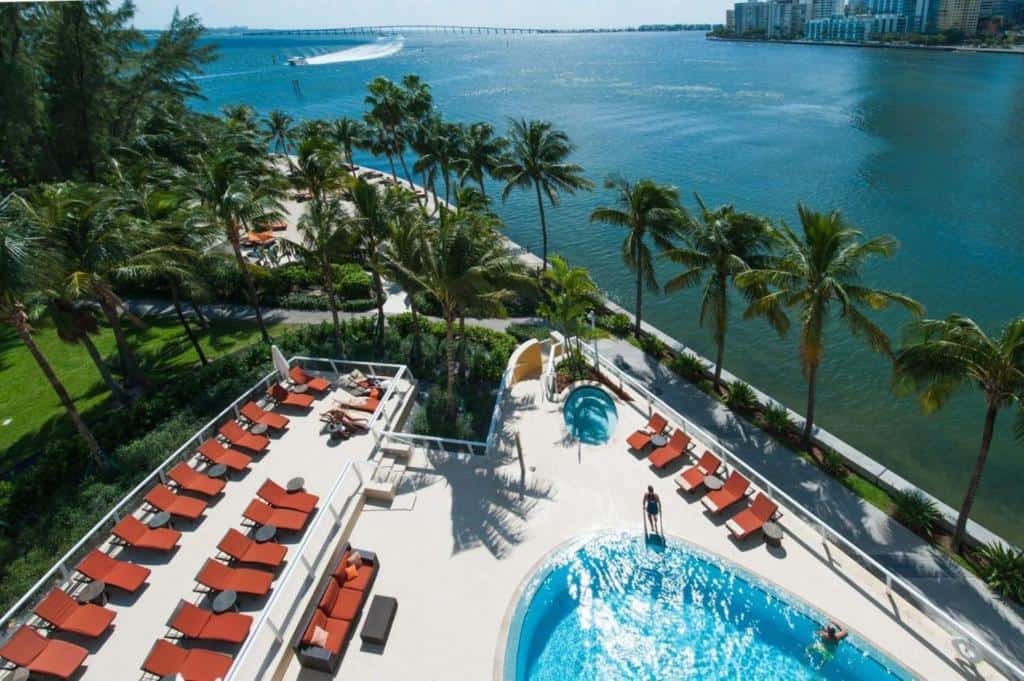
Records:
x=464, y=534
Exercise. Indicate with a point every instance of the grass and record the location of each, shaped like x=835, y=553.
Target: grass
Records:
x=28, y=401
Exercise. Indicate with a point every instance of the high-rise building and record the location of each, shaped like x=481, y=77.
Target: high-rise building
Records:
x=730, y=20
x=959, y=15
x=751, y=17
x=855, y=29
x=823, y=9
x=773, y=19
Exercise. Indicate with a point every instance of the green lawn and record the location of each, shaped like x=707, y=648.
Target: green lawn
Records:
x=28, y=403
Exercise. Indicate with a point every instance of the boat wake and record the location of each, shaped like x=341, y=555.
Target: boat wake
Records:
x=377, y=50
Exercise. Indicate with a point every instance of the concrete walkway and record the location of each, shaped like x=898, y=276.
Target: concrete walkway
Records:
x=937, y=577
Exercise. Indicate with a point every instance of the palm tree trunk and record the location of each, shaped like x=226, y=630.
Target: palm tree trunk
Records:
x=129, y=362
x=483, y=189
x=250, y=285
x=415, y=353
x=462, y=342
x=201, y=319
x=391, y=162
x=450, y=410
x=447, y=189
x=639, y=301
x=543, y=231
x=378, y=287
x=720, y=325
x=116, y=389
x=332, y=304
x=812, y=375
x=19, y=321
x=175, y=300
x=972, y=486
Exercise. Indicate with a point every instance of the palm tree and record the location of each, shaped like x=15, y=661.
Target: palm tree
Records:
x=538, y=159
x=644, y=209
x=816, y=274
x=326, y=237
x=279, y=131
x=479, y=154
x=372, y=226
x=460, y=266
x=90, y=244
x=571, y=294
x=76, y=324
x=319, y=167
x=439, y=144
x=940, y=356
x=19, y=249
x=231, y=185
x=402, y=255
x=349, y=134
x=389, y=109
x=720, y=245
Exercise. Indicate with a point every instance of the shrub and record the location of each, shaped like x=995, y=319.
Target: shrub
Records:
x=688, y=366
x=618, y=324
x=352, y=282
x=523, y=332
x=916, y=511
x=741, y=396
x=574, y=367
x=652, y=346
x=1004, y=570
x=776, y=418
x=833, y=464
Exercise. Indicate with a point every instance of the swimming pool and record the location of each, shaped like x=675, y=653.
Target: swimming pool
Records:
x=615, y=607
x=590, y=415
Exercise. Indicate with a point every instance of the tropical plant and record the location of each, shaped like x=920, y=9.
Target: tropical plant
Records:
x=688, y=365
x=645, y=209
x=349, y=134
x=912, y=508
x=374, y=213
x=461, y=266
x=19, y=251
x=570, y=294
x=402, y=256
x=741, y=396
x=437, y=143
x=833, y=464
x=819, y=273
x=279, y=131
x=76, y=323
x=1003, y=569
x=479, y=154
x=776, y=418
x=720, y=245
x=940, y=356
x=326, y=230
x=537, y=159
x=318, y=169
x=389, y=111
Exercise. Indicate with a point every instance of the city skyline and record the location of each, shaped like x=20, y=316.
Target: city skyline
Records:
x=526, y=13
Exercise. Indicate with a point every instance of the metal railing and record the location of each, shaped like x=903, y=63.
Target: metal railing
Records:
x=62, y=570
x=891, y=580
x=298, y=560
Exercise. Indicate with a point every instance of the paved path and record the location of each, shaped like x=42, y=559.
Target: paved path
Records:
x=940, y=579
x=393, y=305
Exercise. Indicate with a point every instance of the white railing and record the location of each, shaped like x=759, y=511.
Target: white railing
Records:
x=892, y=581
x=62, y=571
x=298, y=560
x=499, y=408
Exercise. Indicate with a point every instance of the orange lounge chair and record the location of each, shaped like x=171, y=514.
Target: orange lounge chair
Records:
x=285, y=397
x=220, y=577
x=693, y=477
x=240, y=437
x=64, y=613
x=279, y=497
x=641, y=438
x=750, y=520
x=367, y=404
x=40, y=655
x=211, y=450
x=188, y=478
x=315, y=383
x=166, y=659
x=735, y=488
x=282, y=518
x=136, y=534
x=204, y=625
x=255, y=414
x=676, y=447
x=245, y=550
x=162, y=498
x=99, y=567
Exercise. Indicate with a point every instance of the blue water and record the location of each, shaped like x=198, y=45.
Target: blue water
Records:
x=619, y=608
x=921, y=145
x=590, y=415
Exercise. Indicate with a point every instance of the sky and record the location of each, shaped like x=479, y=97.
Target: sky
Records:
x=519, y=13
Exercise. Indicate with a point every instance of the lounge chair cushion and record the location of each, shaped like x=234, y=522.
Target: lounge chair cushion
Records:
x=98, y=566
x=361, y=581
x=28, y=648
x=639, y=440
x=346, y=605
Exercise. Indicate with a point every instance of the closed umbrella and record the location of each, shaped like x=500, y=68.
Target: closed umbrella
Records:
x=280, y=363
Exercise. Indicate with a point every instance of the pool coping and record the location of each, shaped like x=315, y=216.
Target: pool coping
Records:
x=501, y=649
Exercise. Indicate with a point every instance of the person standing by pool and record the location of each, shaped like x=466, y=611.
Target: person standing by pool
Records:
x=652, y=507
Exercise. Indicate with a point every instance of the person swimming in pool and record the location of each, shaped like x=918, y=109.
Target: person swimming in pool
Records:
x=833, y=632
x=823, y=650
x=652, y=507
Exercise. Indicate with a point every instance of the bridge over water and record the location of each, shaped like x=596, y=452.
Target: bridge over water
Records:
x=403, y=28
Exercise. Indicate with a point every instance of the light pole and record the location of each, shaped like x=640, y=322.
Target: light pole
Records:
x=592, y=316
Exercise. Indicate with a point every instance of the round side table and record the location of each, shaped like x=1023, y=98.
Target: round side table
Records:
x=300, y=388
x=161, y=519
x=93, y=592
x=659, y=440
x=295, y=484
x=258, y=428
x=713, y=482
x=218, y=470
x=772, y=533
x=264, y=534
x=225, y=600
